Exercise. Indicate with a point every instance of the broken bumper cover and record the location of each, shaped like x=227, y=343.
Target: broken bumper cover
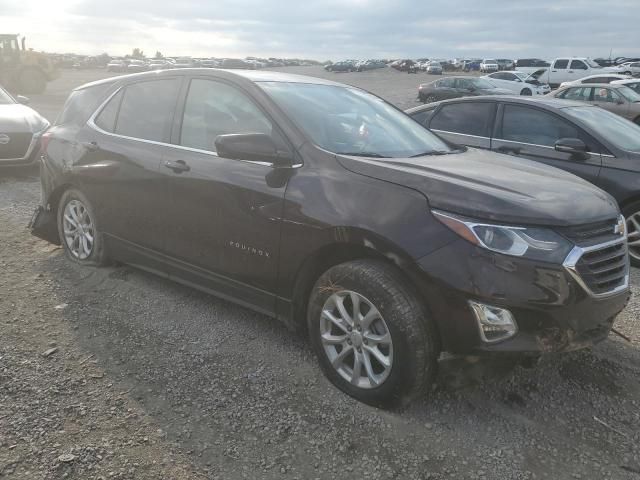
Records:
x=43, y=224
x=553, y=312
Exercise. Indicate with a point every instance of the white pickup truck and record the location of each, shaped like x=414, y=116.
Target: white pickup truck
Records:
x=568, y=69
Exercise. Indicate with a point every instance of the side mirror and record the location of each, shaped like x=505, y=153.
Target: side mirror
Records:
x=256, y=147
x=23, y=100
x=574, y=146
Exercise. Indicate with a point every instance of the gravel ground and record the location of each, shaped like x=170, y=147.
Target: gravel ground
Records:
x=114, y=373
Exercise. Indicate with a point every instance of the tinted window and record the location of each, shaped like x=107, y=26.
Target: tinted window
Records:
x=147, y=109
x=578, y=65
x=445, y=83
x=581, y=94
x=81, y=104
x=467, y=118
x=594, y=80
x=422, y=117
x=106, y=120
x=528, y=125
x=605, y=95
x=213, y=109
x=561, y=64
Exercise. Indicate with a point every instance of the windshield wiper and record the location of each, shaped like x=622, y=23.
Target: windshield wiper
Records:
x=433, y=152
x=362, y=154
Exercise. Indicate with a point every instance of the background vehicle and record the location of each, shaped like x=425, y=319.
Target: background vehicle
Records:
x=530, y=65
x=255, y=154
x=616, y=98
x=22, y=70
x=471, y=65
x=569, y=69
x=20, y=130
x=344, y=66
x=136, y=66
x=408, y=66
x=455, y=87
x=631, y=68
x=434, y=68
x=208, y=63
x=159, y=64
x=370, y=65
x=117, y=65
x=519, y=83
x=633, y=84
x=505, y=64
x=598, y=78
x=587, y=141
x=184, y=62
x=489, y=65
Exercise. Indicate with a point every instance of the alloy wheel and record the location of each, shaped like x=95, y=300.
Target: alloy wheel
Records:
x=430, y=99
x=79, y=231
x=356, y=339
x=633, y=235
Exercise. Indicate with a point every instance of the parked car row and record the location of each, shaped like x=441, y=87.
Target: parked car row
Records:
x=300, y=181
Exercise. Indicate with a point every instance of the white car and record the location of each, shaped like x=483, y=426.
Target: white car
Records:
x=520, y=83
x=599, y=78
x=631, y=68
x=489, y=65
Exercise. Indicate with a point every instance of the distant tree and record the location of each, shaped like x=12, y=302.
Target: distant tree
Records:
x=137, y=53
x=159, y=55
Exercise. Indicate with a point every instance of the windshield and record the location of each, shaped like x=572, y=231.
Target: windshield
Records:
x=5, y=98
x=349, y=121
x=482, y=83
x=629, y=94
x=617, y=130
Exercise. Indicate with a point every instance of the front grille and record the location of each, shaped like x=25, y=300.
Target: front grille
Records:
x=604, y=269
x=584, y=234
x=17, y=145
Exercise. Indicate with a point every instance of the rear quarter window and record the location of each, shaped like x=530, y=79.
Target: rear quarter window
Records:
x=466, y=118
x=81, y=104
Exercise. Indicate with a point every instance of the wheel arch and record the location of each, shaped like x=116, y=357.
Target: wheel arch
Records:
x=629, y=201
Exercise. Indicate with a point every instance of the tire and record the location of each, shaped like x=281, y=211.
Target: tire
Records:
x=414, y=346
x=430, y=99
x=526, y=92
x=632, y=214
x=32, y=81
x=76, y=250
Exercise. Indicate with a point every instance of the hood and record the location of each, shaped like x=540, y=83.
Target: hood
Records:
x=535, y=76
x=490, y=186
x=16, y=117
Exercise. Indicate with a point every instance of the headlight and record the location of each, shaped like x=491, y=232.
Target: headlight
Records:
x=529, y=242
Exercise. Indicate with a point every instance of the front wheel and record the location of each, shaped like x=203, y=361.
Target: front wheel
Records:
x=632, y=215
x=78, y=229
x=430, y=99
x=526, y=92
x=372, y=336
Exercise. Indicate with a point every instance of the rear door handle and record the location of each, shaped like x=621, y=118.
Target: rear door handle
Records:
x=178, y=166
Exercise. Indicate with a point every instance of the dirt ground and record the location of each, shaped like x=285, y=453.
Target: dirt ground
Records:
x=114, y=373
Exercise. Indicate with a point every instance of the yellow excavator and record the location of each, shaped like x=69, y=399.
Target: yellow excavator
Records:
x=22, y=70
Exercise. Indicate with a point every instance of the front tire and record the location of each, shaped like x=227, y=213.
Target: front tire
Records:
x=526, y=92
x=430, y=99
x=632, y=215
x=373, y=337
x=79, y=231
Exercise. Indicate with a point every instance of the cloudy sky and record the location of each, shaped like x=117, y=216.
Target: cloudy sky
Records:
x=329, y=29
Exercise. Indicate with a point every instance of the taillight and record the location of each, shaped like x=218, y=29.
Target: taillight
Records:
x=44, y=142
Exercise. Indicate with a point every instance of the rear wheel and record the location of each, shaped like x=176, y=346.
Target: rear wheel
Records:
x=526, y=92
x=632, y=215
x=372, y=336
x=78, y=230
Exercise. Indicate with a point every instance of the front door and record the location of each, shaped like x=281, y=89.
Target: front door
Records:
x=529, y=132
x=225, y=215
x=611, y=100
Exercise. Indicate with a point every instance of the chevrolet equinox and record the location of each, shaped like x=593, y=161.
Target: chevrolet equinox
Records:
x=324, y=206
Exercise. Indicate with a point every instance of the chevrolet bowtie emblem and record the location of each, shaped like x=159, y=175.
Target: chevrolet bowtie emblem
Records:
x=4, y=138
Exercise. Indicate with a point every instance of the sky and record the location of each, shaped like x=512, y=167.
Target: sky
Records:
x=329, y=29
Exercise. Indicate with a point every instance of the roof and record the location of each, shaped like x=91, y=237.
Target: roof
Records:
x=543, y=101
x=251, y=75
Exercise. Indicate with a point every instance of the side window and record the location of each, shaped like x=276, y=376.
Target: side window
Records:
x=499, y=76
x=605, y=95
x=593, y=80
x=423, y=117
x=106, y=119
x=578, y=65
x=561, y=64
x=215, y=108
x=581, y=94
x=529, y=125
x=467, y=118
x=510, y=76
x=147, y=108
x=445, y=83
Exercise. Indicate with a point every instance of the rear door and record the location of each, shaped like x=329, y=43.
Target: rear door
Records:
x=224, y=215
x=128, y=137
x=577, y=70
x=530, y=132
x=465, y=123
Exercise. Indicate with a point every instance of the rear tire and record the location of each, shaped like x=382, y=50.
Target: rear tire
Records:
x=79, y=231
x=353, y=353
x=632, y=215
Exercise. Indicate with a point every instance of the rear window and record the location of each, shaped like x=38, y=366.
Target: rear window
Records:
x=81, y=104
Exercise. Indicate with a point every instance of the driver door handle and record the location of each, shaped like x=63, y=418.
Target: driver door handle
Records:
x=178, y=166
